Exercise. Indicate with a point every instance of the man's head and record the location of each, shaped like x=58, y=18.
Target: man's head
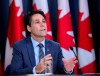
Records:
x=36, y=23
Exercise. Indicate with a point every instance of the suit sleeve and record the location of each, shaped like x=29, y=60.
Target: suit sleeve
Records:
x=17, y=63
x=60, y=65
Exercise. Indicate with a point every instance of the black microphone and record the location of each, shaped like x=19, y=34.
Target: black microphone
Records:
x=71, y=48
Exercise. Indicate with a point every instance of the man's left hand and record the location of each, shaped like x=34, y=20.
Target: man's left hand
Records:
x=69, y=64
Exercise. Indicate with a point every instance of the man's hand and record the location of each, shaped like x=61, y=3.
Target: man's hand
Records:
x=41, y=66
x=69, y=64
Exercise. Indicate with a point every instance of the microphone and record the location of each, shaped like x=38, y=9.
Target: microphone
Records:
x=71, y=48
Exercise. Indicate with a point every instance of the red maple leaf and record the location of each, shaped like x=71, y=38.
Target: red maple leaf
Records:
x=84, y=29
x=64, y=26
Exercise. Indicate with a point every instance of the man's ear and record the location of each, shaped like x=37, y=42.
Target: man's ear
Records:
x=29, y=28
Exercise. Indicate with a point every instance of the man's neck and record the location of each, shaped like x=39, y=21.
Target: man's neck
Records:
x=38, y=39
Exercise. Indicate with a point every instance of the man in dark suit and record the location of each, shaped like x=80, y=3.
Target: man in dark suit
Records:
x=26, y=52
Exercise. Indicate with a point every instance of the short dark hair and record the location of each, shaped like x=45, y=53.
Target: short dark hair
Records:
x=27, y=17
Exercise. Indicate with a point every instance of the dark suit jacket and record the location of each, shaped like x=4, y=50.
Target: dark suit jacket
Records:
x=23, y=59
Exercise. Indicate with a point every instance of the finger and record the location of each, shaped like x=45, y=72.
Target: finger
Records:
x=74, y=58
x=73, y=65
x=75, y=61
x=48, y=58
x=48, y=62
x=48, y=55
x=69, y=62
x=43, y=59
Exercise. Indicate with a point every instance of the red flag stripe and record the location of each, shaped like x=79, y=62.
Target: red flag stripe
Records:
x=65, y=34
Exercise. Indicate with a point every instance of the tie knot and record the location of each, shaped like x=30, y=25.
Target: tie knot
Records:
x=40, y=45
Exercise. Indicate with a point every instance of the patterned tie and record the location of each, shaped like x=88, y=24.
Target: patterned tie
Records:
x=41, y=54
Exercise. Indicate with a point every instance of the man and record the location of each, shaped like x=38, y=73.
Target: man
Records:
x=26, y=54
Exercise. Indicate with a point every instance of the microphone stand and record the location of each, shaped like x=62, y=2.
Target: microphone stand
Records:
x=79, y=71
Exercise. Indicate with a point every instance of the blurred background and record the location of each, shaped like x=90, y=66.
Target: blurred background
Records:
x=57, y=12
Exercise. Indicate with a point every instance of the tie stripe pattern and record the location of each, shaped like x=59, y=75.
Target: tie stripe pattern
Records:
x=41, y=54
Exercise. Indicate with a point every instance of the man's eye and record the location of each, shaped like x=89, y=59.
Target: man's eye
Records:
x=37, y=22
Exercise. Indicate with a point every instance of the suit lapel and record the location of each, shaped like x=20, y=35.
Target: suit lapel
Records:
x=48, y=50
x=30, y=50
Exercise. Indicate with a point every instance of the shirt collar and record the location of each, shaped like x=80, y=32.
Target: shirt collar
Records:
x=35, y=43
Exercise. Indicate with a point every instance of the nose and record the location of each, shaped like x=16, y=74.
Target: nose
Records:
x=42, y=24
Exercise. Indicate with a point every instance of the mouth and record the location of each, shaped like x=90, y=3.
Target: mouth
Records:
x=43, y=30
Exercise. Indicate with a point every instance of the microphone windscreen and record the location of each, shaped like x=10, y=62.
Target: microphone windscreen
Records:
x=71, y=48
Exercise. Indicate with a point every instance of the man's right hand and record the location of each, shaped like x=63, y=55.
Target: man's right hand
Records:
x=41, y=66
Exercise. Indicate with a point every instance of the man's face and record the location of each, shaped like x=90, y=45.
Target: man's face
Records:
x=38, y=26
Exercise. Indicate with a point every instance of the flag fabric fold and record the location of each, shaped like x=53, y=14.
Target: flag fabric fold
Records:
x=86, y=52
x=16, y=30
x=65, y=34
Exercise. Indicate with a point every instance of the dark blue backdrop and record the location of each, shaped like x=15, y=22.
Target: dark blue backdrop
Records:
x=94, y=8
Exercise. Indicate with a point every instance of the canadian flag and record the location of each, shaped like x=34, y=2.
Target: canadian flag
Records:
x=16, y=29
x=65, y=34
x=43, y=5
x=86, y=53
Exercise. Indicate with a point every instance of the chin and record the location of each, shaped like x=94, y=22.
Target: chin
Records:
x=43, y=35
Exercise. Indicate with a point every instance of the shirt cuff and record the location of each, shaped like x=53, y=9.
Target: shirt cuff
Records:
x=69, y=72
x=34, y=72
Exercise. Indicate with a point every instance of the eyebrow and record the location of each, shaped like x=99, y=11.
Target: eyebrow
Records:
x=38, y=19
